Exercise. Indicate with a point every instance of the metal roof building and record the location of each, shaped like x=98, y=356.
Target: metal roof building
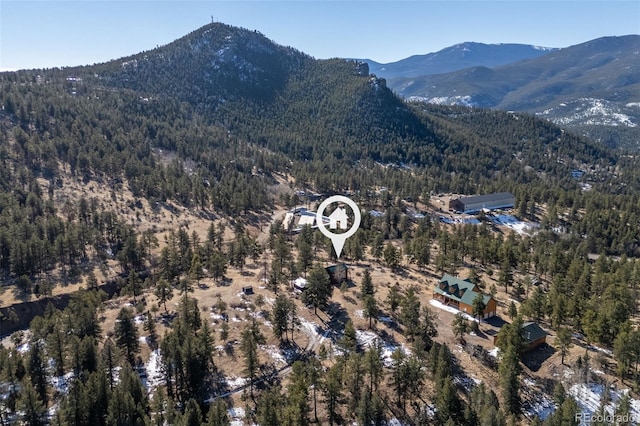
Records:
x=476, y=203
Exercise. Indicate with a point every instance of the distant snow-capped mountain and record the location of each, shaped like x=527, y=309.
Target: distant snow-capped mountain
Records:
x=592, y=87
x=457, y=57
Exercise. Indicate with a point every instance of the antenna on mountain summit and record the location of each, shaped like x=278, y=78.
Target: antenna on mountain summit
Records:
x=212, y=21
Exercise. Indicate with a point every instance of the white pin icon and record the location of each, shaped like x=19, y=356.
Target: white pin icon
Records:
x=338, y=219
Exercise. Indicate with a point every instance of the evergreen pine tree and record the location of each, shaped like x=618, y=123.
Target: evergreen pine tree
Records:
x=366, y=287
x=251, y=338
x=296, y=411
x=318, y=290
x=110, y=360
x=270, y=407
x=509, y=371
x=126, y=334
x=280, y=316
x=36, y=369
x=33, y=409
x=460, y=326
x=394, y=298
x=563, y=342
x=478, y=306
x=410, y=313
x=370, y=308
x=164, y=292
x=150, y=327
x=447, y=402
x=217, y=415
x=332, y=390
x=192, y=414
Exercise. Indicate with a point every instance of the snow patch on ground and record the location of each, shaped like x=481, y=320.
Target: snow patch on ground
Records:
x=394, y=422
x=387, y=320
x=468, y=383
x=308, y=327
x=590, y=111
x=154, y=373
x=541, y=407
x=464, y=100
x=367, y=339
x=599, y=349
x=440, y=305
x=236, y=414
x=537, y=403
x=589, y=398
x=274, y=353
x=459, y=220
x=61, y=383
x=217, y=316
x=24, y=348
x=236, y=382
x=514, y=223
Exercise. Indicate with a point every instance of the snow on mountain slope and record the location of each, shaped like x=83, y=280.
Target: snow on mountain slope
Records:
x=590, y=111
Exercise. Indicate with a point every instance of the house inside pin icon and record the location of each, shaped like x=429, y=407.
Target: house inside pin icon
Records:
x=339, y=218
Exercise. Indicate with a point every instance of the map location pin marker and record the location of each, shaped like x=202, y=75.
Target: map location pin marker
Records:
x=338, y=220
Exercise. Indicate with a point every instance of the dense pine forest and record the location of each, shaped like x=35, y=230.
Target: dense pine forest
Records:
x=229, y=128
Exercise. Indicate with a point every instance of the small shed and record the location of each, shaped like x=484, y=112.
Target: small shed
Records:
x=248, y=290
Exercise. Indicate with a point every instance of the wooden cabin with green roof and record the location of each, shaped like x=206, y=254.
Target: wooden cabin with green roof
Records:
x=460, y=294
x=532, y=336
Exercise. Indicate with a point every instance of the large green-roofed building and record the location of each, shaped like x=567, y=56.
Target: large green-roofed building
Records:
x=460, y=294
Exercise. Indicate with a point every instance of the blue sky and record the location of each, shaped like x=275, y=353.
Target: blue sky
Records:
x=51, y=33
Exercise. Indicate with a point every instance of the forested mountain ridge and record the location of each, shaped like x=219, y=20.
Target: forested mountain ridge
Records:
x=457, y=57
x=240, y=82
x=591, y=87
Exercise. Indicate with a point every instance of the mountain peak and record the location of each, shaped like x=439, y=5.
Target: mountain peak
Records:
x=214, y=63
x=457, y=57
